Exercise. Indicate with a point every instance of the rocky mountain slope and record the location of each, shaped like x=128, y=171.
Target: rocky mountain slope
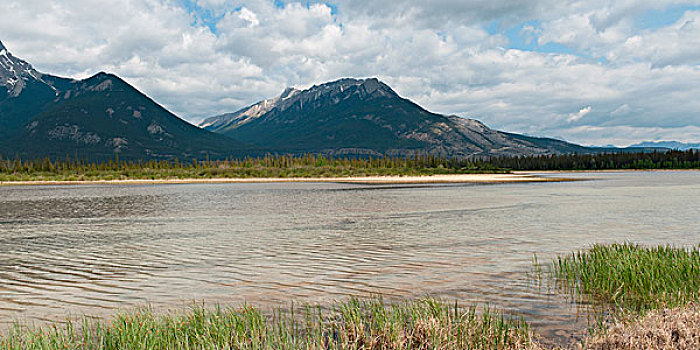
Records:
x=360, y=117
x=96, y=118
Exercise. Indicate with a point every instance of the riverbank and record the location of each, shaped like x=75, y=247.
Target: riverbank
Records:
x=380, y=180
x=677, y=328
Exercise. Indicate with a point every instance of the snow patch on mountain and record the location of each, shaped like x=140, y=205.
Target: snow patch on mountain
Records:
x=335, y=90
x=15, y=73
x=249, y=113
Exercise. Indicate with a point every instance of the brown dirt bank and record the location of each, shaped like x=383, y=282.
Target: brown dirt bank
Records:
x=666, y=329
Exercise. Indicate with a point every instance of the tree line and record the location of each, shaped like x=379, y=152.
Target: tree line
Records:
x=672, y=159
x=268, y=161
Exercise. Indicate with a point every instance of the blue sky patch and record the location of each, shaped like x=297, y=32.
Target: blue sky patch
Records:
x=202, y=16
x=525, y=37
x=654, y=19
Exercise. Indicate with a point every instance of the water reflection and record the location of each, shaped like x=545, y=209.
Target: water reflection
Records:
x=93, y=249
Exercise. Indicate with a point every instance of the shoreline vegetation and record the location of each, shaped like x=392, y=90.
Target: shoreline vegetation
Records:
x=641, y=297
x=272, y=167
x=354, y=324
x=317, y=168
x=630, y=277
x=651, y=294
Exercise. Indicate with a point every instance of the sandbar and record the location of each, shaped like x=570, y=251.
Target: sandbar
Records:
x=427, y=179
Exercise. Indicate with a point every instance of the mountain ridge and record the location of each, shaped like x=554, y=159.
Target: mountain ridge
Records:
x=247, y=113
x=668, y=144
x=366, y=116
x=103, y=116
x=99, y=117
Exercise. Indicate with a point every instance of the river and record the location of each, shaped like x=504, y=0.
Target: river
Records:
x=95, y=249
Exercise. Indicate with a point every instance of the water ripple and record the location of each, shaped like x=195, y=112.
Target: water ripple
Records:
x=95, y=249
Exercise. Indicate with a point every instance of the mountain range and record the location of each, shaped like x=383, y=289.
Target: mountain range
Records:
x=103, y=116
x=668, y=144
x=95, y=118
x=365, y=116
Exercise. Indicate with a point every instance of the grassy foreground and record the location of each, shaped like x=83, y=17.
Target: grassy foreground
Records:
x=632, y=277
x=356, y=324
x=653, y=292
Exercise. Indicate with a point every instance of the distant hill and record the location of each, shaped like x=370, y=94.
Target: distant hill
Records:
x=366, y=117
x=95, y=118
x=669, y=144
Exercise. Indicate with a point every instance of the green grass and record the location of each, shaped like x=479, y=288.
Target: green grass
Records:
x=355, y=324
x=631, y=277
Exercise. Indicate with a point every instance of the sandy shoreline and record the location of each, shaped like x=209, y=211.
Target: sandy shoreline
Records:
x=430, y=179
x=535, y=172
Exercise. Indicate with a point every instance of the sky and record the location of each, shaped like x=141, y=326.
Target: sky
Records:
x=593, y=72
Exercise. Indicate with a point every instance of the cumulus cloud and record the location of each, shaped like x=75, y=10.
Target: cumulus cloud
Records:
x=574, y=117
x=248, y=16
x=204, y=57
x=677, y=44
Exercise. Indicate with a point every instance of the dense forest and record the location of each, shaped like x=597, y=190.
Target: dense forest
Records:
x=269, y=166
x=671, y=159
x=310, y=165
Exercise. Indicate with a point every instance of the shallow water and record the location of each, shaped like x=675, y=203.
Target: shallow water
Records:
x=93, y=249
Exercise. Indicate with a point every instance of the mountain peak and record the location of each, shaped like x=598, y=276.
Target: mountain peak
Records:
x=336, y=91
x=14, y=72
x=249, y=113
x=369, y=85
x=288, y=92
x=366, y=117
x=346, y=82
x=373, y=84
x=44, y=115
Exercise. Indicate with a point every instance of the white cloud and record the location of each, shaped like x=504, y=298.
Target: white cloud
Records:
x=622, y=111
x=628, y=135
x=249, y=16
x=439, y=54
x=677, y=44
x=574, y=117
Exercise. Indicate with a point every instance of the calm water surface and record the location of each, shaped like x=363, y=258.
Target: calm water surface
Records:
x=94, y=249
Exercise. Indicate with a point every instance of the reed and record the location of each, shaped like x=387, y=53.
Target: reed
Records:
x=631, y=277
x=354, y=324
